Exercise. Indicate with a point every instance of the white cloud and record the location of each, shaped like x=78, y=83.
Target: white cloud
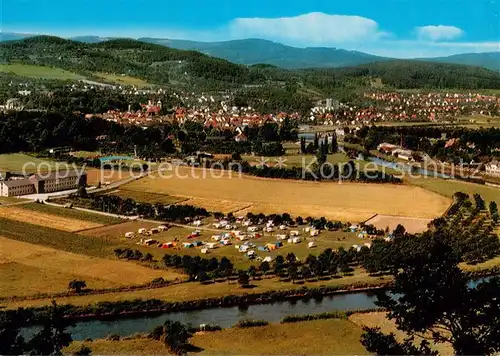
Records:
x=440, y=32
x=424, y=49
x=313, y=28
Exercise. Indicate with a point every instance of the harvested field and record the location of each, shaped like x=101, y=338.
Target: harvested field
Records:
x=327, y=337
x=29, y=269
x=412, y=225
x=347, y=202
x=145, y=197
x=44, y=219
x=135, y=346
x=378, y=319
x=331, y=337
x=224, y=206
x=95, y=175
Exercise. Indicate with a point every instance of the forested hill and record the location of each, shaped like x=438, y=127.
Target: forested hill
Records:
x=253, y=51
x=154, y=63
x=405, y=74
x=158, y=64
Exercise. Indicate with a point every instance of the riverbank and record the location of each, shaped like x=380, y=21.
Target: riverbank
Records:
x=151, y=308
x=333, y=336
x=194, y=291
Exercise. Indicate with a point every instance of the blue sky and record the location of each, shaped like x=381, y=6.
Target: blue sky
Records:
x=400, y=28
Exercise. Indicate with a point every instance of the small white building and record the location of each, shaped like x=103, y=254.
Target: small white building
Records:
x=493, y=168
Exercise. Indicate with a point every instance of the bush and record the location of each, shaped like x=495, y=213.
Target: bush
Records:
x=247, y=323
x=308, y=317
x=113, y=337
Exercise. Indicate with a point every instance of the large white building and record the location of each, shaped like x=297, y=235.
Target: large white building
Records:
x=11, y=188
x=53, y=182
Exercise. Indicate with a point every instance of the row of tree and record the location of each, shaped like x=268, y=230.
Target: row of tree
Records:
x=320, y=171
x=117, y=205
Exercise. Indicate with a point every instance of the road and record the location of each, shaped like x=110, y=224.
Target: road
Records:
x=136, y=218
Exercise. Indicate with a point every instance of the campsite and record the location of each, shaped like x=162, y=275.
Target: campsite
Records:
x=235, y=243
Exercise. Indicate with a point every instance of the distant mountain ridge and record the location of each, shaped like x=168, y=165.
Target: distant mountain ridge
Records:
x=254, y=51
x=489, y=60
x=259, y=51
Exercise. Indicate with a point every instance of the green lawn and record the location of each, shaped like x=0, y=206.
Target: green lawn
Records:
x=123, y=80
x=448, y=187
x=11, y=200
x=40, y=72
x=85, y=154
x=327, y=239
x=71, y=213
x=61, y=240
x=477, y=121
x=197, y=291
x=14, y=162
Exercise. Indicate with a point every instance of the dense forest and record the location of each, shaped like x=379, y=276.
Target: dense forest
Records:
x=166, y=66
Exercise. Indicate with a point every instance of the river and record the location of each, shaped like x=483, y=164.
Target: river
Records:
x=224, y=317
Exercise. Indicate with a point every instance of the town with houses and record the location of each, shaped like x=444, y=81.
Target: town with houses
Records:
x=249, y=197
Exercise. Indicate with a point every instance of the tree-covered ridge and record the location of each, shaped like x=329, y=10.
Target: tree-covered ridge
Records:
x=412, y=74
x=154, y=63
x=158, y=64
